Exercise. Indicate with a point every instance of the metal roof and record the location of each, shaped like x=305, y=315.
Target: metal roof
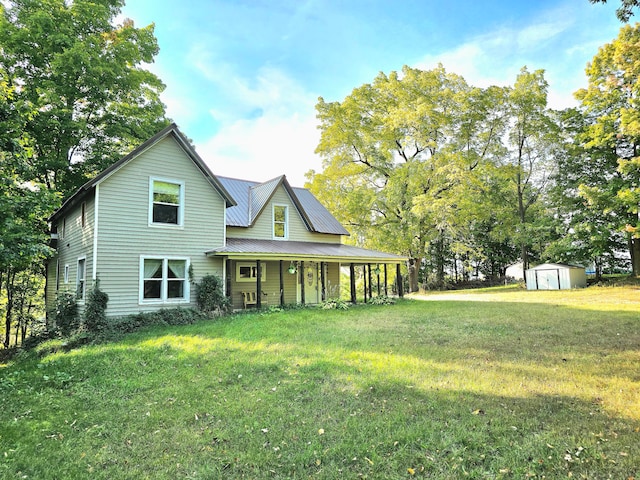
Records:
x=289, y=250
x=252, y=197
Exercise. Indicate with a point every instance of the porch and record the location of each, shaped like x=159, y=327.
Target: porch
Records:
x=260, y=273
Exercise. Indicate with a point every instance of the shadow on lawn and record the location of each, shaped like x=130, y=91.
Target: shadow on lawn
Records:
x=224, y=407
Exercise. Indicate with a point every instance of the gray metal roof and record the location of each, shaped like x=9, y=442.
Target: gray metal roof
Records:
x=288, y=250
x=252, y=197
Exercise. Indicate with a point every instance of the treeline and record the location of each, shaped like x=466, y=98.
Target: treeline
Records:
x=73, y=99
x=466, y=180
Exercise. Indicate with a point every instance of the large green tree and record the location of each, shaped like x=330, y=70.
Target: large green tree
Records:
x=80, y=82
x=399, y=153
x=534, y=142
x=611, y=103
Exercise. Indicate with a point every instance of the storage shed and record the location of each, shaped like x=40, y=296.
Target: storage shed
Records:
x=555, y=276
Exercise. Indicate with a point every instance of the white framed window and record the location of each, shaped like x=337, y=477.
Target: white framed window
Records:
x=66, y=273
x=81, y=278
x=280, y=222
x=164, y=279
x=248, y=272
x=166, y=202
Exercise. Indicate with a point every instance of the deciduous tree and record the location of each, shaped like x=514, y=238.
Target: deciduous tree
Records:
x=611, y=103
x=80, y=83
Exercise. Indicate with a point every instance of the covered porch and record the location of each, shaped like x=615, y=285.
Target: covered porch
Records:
x=260, y=273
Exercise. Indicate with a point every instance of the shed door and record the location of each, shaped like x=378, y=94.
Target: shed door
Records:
x=548, y=279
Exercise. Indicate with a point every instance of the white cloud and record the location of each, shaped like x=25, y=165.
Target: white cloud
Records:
x=267, y=124
x=263, y=148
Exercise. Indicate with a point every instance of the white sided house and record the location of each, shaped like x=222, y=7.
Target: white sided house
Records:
x=555, y=276
x=154, y=223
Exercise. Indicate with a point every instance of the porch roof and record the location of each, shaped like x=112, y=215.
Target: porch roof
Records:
x=247, y=248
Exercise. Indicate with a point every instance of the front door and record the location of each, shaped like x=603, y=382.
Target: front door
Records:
x=311, y=288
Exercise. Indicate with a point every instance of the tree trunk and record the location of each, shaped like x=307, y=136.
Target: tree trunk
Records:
x=634, y=250
x=413, y=274
x=8, y=316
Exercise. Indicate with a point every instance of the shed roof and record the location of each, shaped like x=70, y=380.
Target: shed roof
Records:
x=554, y=266
x=239, y=248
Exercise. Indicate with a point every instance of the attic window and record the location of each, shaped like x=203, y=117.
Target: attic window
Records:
x=166, y=202
x=280, y=222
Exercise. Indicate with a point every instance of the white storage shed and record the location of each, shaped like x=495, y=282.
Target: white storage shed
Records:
x=555, y=276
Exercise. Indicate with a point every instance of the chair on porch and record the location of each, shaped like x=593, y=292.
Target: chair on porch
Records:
x=249, y=299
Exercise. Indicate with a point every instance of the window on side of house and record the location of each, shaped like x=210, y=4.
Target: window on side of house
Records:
x=80, y=279
x=66, y=273
x=166, y=202
x=164, y=280
x=63, y=231
x=280, y=222
x=83, y=214
x=248, y=272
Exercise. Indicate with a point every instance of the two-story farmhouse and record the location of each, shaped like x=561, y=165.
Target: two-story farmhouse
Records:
x=158, y=220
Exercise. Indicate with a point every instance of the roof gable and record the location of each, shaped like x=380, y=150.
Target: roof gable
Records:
x=170, y=131
x=253, y=197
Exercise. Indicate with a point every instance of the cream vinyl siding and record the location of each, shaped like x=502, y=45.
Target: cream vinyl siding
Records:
x=77, y=243
x=124, y=233
x=262, y=229
x=271, y=284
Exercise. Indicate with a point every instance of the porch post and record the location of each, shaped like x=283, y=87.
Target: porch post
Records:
x=352, y=280
x=364, y=276
x=378, y=277
x=399, y=280
x=386, y=291
x=258, y=284
x=281, y=283
x=302, y=282
x=322, y=281
x=370, y=282
x=227, y=279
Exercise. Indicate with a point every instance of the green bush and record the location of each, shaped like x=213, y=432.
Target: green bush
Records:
x=65, y=313
x=95, y=319
x=335, y=304
x=210, y=296
x=381, y=300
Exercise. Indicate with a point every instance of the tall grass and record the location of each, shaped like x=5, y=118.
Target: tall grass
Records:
x=495, y=384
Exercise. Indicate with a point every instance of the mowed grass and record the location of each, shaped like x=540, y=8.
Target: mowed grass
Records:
x=500, y=383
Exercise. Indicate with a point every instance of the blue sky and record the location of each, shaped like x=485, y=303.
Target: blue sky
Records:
x=243, y=77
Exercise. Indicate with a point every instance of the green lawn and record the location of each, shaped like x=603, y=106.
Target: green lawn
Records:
x=500, y=383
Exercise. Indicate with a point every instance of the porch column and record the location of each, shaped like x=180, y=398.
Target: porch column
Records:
x=322, y=281
x=302, y=282
x=378, y=277
x=352, y=280
x=399, y=281
x=364, y=276
x=370, y=282
x=386, y=290
x=258, y=284
x=281, y=283
x=227, y=279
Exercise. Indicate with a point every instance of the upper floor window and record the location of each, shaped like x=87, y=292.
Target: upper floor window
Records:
x=166, y=202
x=280, y=222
